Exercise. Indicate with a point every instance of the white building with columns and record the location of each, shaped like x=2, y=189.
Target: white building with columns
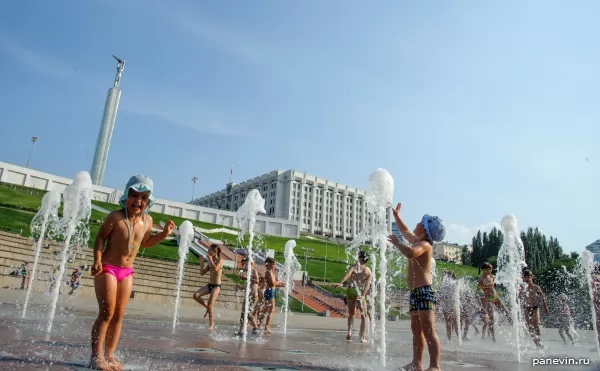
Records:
x=321, y=206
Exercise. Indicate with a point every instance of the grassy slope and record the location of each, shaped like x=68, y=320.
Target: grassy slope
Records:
x=14, y=220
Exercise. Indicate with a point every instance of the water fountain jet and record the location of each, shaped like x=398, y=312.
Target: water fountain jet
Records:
x=45, y=219
x=511, y=262
x=587, y=265
x=77, y=209
x=246, y=218
x=291, y=266
x=186, y=236
x=378, y=198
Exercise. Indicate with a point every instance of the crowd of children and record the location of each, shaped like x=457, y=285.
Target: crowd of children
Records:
x=127, y=230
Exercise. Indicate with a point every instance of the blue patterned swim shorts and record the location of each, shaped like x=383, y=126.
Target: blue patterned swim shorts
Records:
x=422, y=298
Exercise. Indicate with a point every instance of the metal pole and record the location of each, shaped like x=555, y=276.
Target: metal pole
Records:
x=325, y=274
x=33, y=140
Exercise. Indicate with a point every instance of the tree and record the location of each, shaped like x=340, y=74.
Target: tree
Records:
x=477, y=250
x=465, y=256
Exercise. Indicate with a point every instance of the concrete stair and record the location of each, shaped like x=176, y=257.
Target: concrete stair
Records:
x=154, y=280
x=318, y=301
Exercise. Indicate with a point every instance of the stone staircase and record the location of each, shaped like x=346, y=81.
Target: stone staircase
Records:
x=154, y=280
x=319, y=301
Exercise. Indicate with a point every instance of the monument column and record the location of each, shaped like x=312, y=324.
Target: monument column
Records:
x=107, y=126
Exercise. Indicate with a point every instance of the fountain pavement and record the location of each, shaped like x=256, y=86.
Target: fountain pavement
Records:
x=312, y=343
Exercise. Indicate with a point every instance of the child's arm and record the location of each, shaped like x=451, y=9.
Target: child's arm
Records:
x=367, y=283
x=415, y=251
x=211, y=264
x=346, y=276
x=150, y=240
x=541, y=293
x=105, y=231
x=406, y=233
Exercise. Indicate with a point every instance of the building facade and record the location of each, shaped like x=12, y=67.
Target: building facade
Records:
x=594, y=248
x=451, y=251
x=27, y=177
x=320, y=206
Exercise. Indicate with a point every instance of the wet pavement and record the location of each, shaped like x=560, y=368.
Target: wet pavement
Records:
x=149, y=343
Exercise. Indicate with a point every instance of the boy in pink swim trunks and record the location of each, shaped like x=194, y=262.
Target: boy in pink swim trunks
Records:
x=117, y=244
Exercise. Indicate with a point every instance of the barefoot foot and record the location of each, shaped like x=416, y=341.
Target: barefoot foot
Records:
x=411, y=367
x=100, y=364
x=268, y=331
x=117, y=366
x=211, y=328
x=364, y=340
x=349, y=336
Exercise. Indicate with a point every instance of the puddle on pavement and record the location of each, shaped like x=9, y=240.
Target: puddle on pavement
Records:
x=270, y=368
x=153, y=337
x=295, y=351
x=204, y=350
x=462, y=364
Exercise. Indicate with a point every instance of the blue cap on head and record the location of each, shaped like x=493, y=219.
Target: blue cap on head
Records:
x=139, y=183
x=434, y=227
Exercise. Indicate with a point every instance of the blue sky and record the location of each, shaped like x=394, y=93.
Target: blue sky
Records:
x=477, y=109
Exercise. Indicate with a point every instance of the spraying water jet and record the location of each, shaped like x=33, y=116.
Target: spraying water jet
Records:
x=46, y=220
x=186, y=236
x=77, y=209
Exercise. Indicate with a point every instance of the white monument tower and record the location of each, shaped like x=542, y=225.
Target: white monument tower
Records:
x=106, y=129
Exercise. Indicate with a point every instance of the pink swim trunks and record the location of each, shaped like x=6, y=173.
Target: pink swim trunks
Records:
x=118, y=272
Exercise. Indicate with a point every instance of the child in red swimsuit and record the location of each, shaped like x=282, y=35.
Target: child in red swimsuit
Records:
x=117, y=244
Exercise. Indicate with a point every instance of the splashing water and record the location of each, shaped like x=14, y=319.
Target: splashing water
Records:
x=433, y=271
x=246, y=218
x=77, y=209
x=372, y=296
x=587, y=265
x=186, y=236
x=45, y=219
x=378, y=197
x=291, y=266
x=511, y=262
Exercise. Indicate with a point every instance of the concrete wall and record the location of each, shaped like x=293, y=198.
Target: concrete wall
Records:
x=22, y=176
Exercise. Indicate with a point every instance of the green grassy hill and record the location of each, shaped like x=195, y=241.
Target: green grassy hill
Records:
x=326, y=261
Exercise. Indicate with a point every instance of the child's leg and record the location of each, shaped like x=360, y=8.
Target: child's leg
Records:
x=209, y=308
x=351, y=311
x=418, y=343
x=448, y=322
x=106, y=294
x=199, y=294
x=363, y=320
x=501, y=306
x=270, y=309
x=561, y=331
x=427, y=322
x=490, y=321
x=114, y=329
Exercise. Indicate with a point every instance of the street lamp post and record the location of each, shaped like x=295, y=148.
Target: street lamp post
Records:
x=33, y=140
x=325, y=274
x=194, y=179
x=306, y=269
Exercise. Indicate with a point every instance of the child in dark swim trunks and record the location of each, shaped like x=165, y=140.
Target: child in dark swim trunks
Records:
x=530, y=296
x=215, y=265
x=272, y=284
x=117, y=244
x=418, y=278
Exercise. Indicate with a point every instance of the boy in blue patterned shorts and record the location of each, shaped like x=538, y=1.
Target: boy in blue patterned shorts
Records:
x=418, y=278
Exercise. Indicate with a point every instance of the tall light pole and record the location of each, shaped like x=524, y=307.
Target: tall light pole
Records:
x=325, y=274
x=194, y=179
x=306, y=269
x=33, y=140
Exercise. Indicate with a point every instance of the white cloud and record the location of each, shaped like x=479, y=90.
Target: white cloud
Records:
x=40, y=63
x=463, y=235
